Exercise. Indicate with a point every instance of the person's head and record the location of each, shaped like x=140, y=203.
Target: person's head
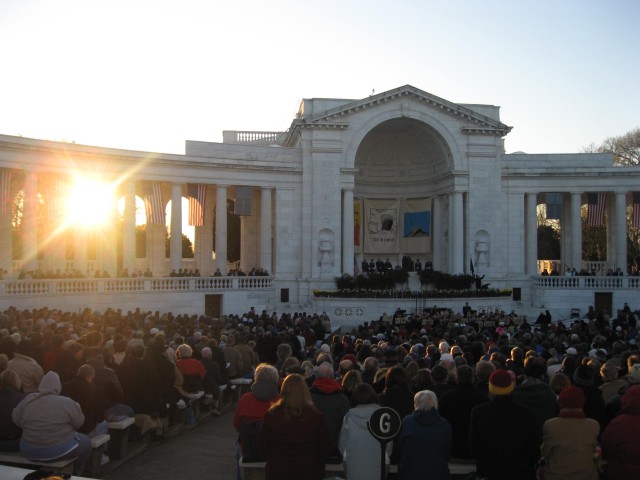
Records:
x=284, y=351
x=137, y=351
x=396, y=376
x=184, y=351
x=465, y=375
x=294, y=396
x=87, y=372
x=634, y=374
x=425, y=400
x=324, y=370
x=11, y=378
x=439, y=374
x=501, y=383
x=266, y=373
x=609, y=372
x=206, y=352
x=371, y=364
x=571, y=398
x=484, y=369
x=289, y=363
x=351, y=379
x=363, y=394
x=558, y=382
x=583, y=376
x=535, y=367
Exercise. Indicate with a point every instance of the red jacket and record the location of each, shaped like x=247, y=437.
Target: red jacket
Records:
x=621, y=440
x=250, y=409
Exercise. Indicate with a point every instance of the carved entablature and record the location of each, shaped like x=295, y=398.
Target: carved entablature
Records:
x=498, y=132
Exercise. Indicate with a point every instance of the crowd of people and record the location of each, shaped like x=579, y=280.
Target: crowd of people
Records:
x=512, y=397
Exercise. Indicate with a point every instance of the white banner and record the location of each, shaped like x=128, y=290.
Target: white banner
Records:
x=381, y=227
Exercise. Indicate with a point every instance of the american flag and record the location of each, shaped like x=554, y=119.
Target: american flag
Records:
x=153, y=203
x=635, y=221
x=5, y=192
x=197, y=194
x=595, y=209
x=55, y=195
x=356, y=268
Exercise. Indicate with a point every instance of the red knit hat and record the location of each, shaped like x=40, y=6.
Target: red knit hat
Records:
x=501, y=383
x=571, y=397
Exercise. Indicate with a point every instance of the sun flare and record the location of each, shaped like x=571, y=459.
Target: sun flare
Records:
x=90, y=203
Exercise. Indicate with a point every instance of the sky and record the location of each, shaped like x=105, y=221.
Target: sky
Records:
x=150, y=74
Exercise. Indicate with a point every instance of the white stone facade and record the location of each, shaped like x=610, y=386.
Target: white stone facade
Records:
x=400, y=145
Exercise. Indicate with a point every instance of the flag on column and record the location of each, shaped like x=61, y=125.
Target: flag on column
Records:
x=356, y=268
x=635, y=220
x=595, y=209
x=55, y=196
x=197, y=194
x=473, y=271
x=154, y=206
x=5, y=192
x=243, y=200
x=554, y=205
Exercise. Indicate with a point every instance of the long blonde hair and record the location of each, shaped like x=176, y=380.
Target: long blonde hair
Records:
x=294, y=397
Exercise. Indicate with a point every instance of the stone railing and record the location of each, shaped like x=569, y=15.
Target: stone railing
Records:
x=254, y=138
x=590, y=283
x=79, y=286
x=600, y=268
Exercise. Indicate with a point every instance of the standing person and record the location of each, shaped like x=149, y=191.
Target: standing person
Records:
x=10, y=397
x=425, y=441
x=356, y=443
x=252, y=406
x=456, y=405
x=294, y=437
x=621, y=442
x=49, y=425
x=397, y=395
x=570, y=440
x=504, y=436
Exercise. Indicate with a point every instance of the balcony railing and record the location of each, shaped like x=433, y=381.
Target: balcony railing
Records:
x=589, y=283
x=80, y=286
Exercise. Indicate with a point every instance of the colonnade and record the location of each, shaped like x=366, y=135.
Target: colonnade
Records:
x=52, y=249
x=571, y=231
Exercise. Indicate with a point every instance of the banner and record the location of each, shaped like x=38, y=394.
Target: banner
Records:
x=416, y=225
x=357, y=225
x=243, y=200
x=554, y=206
x=381, y=226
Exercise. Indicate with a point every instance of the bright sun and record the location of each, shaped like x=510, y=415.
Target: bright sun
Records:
x=90, y=203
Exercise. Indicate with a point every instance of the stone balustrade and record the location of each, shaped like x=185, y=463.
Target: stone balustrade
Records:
x=608, y=283
x=25, y=288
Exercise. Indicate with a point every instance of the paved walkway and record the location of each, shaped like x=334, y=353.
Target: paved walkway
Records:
x=205, y=452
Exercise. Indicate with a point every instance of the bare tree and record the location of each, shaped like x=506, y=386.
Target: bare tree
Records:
x=625, y=148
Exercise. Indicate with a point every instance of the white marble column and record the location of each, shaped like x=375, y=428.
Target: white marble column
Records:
x=30, y=222
x=265, y=230
x=347, y=231
x=109, y=242
x=531, y=232
x=437, y=235
x=576, y=232
x=129, y=228
x=80, y=243
x=221, y=228
x=621, y=231
x=175, y=245
x=456, y=233
x=6, y=242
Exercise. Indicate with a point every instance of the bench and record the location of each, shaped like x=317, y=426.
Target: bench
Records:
x=119, y=432
x=239, y=386
x=255, y=470
x=16, y=459
x=92, y=468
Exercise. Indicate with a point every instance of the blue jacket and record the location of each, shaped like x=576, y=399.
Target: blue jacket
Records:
x=425, y=446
